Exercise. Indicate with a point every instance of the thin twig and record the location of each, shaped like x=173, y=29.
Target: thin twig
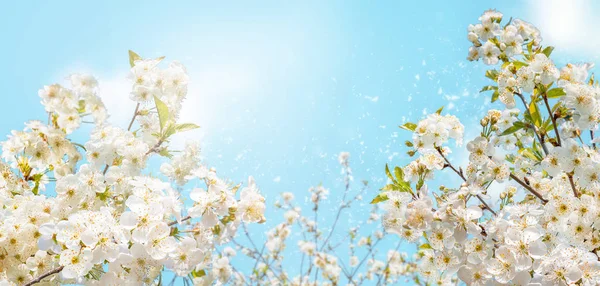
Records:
x=41, y=277
x=371, y=248
x=135, y=114
x=387, y=263
x=529, y=188
x=575, y=192
x=182, y=220
x=552, y=117
x=460, y=174
x=343, y=205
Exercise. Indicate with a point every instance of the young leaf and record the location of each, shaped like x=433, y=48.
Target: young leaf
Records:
x=526, y=152
x=391, y=187
x=425, y=246
x=495, y=96
x=389, y=174
x=399, y=174
x=380, y=198
x=548, y=50
x=133, y=57
x=512, y=129
x=439, y=111
x=409, y=126
x=489, y=87
x=420, y=183
x=163, y=112
x=519, y=64
x=165, y=153
x=536, y=117
x=492, y=74
x=185, y=127
x=555, y=92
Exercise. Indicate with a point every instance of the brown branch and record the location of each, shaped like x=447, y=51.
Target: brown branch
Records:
x=460, y=174
x=40, y=278
x=135, y=114
x=575, y=192
x=529, y=188
x=552, y=117
x=182, y=220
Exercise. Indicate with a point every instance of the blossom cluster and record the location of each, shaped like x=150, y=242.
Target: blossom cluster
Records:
x=526, y=207
x=95, y=213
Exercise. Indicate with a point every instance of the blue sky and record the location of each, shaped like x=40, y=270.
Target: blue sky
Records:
x=279, y=87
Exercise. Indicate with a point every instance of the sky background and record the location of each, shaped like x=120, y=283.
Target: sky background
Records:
x=281, y=87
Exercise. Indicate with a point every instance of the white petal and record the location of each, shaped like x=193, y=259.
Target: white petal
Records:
x=537, y=249
x=128, y=220
x=89, y=238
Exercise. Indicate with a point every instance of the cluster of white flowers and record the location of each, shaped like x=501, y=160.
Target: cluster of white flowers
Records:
x=320, y=245
x=543, y=228
x=66, y=107
x=436, y=130
x=94, y=213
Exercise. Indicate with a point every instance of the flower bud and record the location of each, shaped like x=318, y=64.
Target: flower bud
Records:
x=472, y=37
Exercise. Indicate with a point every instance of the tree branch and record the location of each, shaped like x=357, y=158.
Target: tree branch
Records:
x=460, y=174
x=552, y=117
x=529, y=188
x=135, y=114
x=41, y=277
x=575, y=192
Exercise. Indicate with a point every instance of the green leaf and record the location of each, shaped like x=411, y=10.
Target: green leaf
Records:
x=36, y=188
x=495, y=96
x=536, y=117
x=492, y=74
x=420, y=183
x=390, y=187
x=512, y=129
x=409, y=126
x=555, y=92
x=198, y=273
x=547, y=125
x=133, y=57
x=425, y=246
x=489, y=87
x=185, y=127
x=519, y=64
x=548, y=50
x=530, y=47
x=399, y=174
x=165, y=153
x=389, y=174
x=439, y=111
x=163, y=112
x=380, y=198
x=528, y=153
